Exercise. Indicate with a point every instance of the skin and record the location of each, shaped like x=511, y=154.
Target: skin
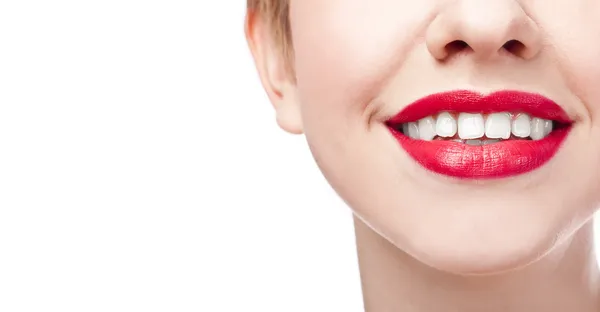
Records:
x=427, y=242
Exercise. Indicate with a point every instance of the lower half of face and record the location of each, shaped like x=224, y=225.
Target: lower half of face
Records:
x=464, y=132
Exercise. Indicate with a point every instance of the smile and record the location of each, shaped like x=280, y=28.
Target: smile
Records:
x=464, y=134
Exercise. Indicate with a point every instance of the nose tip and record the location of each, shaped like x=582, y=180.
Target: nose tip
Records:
x=484, y=29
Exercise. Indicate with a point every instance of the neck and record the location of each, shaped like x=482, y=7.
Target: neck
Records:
x=567, y=279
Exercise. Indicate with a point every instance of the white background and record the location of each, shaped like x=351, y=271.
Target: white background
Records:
x=141, y=168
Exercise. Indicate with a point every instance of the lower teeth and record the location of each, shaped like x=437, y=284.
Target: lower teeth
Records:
x=477, y=142
x=481, y=142
x=470, y=142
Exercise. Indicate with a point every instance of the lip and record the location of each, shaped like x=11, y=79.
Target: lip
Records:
x=499, y=160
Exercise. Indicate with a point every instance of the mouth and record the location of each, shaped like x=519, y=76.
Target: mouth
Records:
x=466, y=135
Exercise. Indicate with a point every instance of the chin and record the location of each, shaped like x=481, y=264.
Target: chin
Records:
x=469, y=256
x=478, y=241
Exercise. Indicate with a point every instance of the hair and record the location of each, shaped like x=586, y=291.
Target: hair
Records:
x=276, y=14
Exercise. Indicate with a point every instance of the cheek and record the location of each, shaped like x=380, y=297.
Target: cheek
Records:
x=583, y=77
x=573, y=33
x=346, y=49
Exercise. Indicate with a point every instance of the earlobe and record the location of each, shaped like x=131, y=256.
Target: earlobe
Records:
x=289, y=116
x=272, y=68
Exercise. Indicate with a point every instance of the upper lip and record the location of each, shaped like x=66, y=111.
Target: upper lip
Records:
x=464, y=101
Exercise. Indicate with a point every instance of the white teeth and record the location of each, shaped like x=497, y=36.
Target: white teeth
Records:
x=474, y=142
x=470, y=126
x=497, y=126
x=521, y=126
x=537, y=129
x=548, y=127
x=540, y=128
x=427, y=128
x=481, y=142
x=412, y=130
x=488, y=142
x=446, y=126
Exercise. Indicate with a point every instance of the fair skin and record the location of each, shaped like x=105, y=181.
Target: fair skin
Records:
x=428, y=242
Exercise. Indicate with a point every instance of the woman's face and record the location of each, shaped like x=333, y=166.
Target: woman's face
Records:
x=463, y=206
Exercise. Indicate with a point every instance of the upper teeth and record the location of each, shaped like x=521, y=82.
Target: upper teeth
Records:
x=470, y=126
x=446, y=126
x=475, y=126
x=540, y=128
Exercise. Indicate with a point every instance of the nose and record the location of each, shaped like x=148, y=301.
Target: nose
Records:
x=484, y=29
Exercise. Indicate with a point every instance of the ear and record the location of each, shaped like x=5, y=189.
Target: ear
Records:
x=275, y=77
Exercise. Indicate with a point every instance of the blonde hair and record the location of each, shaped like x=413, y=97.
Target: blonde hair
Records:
x=276, y=14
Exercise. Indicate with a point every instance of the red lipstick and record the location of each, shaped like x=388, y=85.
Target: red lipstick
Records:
x=499, y=160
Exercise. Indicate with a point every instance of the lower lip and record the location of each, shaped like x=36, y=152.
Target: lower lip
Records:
x=498, y=160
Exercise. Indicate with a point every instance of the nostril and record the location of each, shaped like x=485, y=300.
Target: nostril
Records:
x=456, y=46
x=514, y=47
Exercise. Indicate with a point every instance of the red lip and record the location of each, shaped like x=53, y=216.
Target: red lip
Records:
x=499, y=160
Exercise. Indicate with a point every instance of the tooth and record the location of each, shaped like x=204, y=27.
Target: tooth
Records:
x=521, y=126
x=540, y=128
x=413, y=130
x=547, y=127
x=427, y=128
x=470, y=126
x=474, y=142
x=446, y=126
x=497, y=126
x=487, y=142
